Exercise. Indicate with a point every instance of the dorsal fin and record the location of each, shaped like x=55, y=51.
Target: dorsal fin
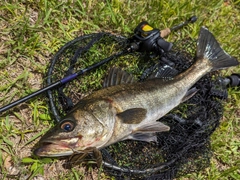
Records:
x=164, y=72
x=117, y=76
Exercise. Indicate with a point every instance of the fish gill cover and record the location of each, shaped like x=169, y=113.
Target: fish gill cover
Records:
x=186, y=148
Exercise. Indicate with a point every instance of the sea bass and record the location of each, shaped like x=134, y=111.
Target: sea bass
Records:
x=127, y=109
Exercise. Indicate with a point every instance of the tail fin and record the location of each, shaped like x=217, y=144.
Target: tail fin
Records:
x=209, y=48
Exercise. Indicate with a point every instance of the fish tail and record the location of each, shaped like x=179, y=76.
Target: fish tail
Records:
x=208, y=48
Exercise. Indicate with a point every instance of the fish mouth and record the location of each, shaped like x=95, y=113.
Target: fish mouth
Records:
x=56, y=147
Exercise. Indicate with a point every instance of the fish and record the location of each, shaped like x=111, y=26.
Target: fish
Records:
x=129, y=109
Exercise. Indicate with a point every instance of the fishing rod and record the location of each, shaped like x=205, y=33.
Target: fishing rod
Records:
x=145, y=37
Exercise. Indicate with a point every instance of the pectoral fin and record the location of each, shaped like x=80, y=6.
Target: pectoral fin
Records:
x=147, y=131
x=132, y=116
x=147, y=137
x=191, y=92
x=151, y=127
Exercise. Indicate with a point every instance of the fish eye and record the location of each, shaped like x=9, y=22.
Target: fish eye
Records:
x=67, y=126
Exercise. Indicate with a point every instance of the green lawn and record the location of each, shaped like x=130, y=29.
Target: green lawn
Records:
x=31, y=32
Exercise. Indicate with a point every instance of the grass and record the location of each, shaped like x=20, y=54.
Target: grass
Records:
x=31, y=32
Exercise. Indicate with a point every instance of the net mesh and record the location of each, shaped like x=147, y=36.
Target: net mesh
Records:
x=185, y=148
